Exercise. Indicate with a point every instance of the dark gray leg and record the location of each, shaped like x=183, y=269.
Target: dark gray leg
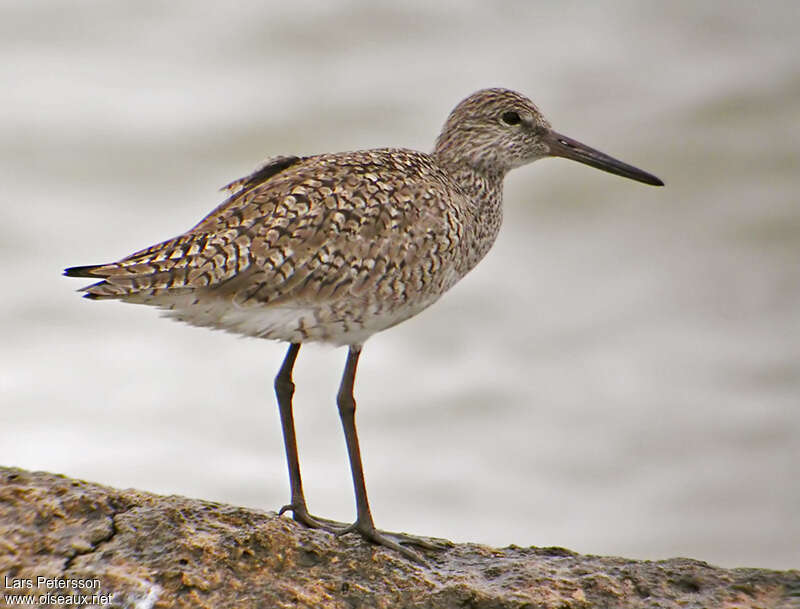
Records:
x=284, y=389
x=364, y=524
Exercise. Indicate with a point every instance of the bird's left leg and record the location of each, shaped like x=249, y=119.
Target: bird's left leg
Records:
x=284, y=389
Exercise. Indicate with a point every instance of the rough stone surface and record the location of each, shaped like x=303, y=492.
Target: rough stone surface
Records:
x=153, y=551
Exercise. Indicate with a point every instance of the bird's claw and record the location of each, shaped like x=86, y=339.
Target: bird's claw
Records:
x=300, y=514
x=394, y=541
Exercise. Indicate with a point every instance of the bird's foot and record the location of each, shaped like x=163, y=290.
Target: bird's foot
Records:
x=394, y=541
x=300, y=514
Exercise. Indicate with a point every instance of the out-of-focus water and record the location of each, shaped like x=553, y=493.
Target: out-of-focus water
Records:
x=621, y=375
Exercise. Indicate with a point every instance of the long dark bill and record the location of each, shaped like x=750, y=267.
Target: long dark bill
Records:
x=566, y=147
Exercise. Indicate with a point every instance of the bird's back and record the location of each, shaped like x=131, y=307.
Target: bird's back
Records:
x=331, y=247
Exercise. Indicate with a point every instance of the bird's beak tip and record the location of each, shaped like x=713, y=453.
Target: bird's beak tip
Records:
x=652, y=180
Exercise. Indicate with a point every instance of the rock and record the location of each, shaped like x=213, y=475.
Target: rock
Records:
x=105, y=547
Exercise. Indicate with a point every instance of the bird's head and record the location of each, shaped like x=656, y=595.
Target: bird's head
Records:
x=496, y=130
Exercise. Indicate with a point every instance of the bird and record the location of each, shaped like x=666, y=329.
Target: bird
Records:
x=334, y=248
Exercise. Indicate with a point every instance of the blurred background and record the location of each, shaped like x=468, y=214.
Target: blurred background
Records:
x=621, y=374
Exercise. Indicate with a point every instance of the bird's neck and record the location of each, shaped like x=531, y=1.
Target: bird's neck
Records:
x=484, y=190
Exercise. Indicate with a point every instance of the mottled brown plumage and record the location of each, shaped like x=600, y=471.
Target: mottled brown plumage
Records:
x=336, y=247
x=351, y=242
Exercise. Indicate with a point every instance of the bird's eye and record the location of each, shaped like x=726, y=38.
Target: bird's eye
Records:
x=511, y=118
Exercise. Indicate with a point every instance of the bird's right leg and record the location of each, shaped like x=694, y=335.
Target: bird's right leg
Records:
x=284, y=389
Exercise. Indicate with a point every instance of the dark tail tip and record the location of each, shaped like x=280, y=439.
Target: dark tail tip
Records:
x=81, y=271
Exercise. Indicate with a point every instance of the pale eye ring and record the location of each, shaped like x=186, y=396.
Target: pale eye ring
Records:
x=511, y=118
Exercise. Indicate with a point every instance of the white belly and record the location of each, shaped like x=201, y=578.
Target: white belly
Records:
x=329, y=323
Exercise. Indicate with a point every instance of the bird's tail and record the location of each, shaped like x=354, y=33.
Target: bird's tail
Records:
x=82, y=271
x=100, y=290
